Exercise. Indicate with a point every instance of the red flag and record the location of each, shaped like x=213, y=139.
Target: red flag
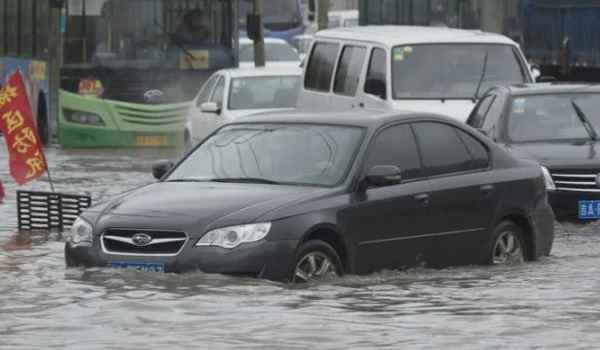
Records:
x=26, y=156
x=1, y=193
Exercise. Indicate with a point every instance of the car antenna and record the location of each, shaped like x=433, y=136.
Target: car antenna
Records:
x=483, y=72
x=584, y=119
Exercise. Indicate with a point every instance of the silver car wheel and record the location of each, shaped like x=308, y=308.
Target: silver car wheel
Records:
x=508, y=249
x=314, y=266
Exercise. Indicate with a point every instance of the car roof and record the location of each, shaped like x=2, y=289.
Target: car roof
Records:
x=391, y=35
x=261, y=71
x=366, y=118
x=551, y=88
x=246, y=41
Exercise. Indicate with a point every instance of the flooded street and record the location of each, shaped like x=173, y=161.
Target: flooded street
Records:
x=550, y=304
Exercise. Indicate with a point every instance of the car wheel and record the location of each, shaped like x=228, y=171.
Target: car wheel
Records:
x=316, y=260
x=508, y=246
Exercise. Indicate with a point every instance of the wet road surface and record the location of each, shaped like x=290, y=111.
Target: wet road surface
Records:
x=550, y=304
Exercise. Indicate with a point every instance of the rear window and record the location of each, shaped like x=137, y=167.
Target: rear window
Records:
x=320, y=66
x=436, y=71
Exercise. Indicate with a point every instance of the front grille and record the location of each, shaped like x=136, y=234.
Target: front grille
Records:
x=576, y=180
x=168, y=115
x=120, y=241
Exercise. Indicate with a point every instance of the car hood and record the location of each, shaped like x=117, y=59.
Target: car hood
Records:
x=194, y=206
x=559, y=154
x=455, y=109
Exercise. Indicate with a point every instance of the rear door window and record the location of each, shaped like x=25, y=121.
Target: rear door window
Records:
x=396, y=145
x=349, y=70
x=320, y=66
x=443, y=150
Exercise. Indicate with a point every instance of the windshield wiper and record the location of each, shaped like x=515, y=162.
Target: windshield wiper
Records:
x=483, y=73
x=246, y=180
x=584, y=119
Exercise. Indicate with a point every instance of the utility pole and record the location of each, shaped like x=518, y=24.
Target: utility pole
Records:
x=323, y=14
x=492, y=16
x=259, y=41
x=54, y=63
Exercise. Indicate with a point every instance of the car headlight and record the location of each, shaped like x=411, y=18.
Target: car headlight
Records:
x=81, y=233
x=550, y=186
x=85, y=118
x=231, y=237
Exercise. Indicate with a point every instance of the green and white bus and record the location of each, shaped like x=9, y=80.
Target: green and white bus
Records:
x=128, y=68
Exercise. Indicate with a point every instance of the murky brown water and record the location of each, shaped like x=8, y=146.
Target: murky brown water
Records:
x=550, y=304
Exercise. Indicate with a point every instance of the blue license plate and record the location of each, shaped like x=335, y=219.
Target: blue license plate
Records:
x=145, y=267
x=589, y=210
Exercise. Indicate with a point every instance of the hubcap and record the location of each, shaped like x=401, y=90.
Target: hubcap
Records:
x=314, y=266
x=508, y=250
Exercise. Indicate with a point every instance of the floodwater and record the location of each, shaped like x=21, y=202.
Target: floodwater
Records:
x=550, y=304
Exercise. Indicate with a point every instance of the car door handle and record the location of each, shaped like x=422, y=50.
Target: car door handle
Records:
x=423, y=199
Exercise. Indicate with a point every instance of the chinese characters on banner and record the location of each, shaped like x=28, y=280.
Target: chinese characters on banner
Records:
x=26, y=157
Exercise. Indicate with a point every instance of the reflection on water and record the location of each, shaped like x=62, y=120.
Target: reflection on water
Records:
x=550, y=304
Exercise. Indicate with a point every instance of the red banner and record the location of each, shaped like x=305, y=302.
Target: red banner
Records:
x=27, y=161
x=1, y=193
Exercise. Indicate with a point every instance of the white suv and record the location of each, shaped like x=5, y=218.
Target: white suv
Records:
x=424, y=69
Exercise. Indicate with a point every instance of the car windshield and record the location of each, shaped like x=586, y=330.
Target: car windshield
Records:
x=270, y=152
x=275, y=52
x=552, y=117
x=264, y=92
x=452, y=71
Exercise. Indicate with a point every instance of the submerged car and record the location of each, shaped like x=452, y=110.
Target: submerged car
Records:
x=231, y=94
x=297, y=197
x=557, y=125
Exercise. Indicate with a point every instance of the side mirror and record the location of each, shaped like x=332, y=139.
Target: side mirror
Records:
x=161, y=168
x=536, y=72
x=376, y=87
x=383, y=175
x=210, y=107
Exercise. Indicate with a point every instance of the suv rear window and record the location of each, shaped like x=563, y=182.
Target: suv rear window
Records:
x=320, y=66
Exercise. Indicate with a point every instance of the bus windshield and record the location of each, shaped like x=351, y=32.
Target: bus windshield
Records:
x=143, y=33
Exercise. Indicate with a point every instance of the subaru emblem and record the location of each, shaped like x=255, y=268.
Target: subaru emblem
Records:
x=141, y=239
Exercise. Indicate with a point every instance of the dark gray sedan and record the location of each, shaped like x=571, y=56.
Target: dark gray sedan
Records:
x=299, y=197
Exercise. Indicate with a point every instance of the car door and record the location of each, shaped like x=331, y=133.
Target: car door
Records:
x=196, y=123
x=386, y=223
x=208, y=121
x=462, y=194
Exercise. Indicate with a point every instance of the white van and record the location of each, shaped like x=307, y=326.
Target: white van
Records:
x=424, y=69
